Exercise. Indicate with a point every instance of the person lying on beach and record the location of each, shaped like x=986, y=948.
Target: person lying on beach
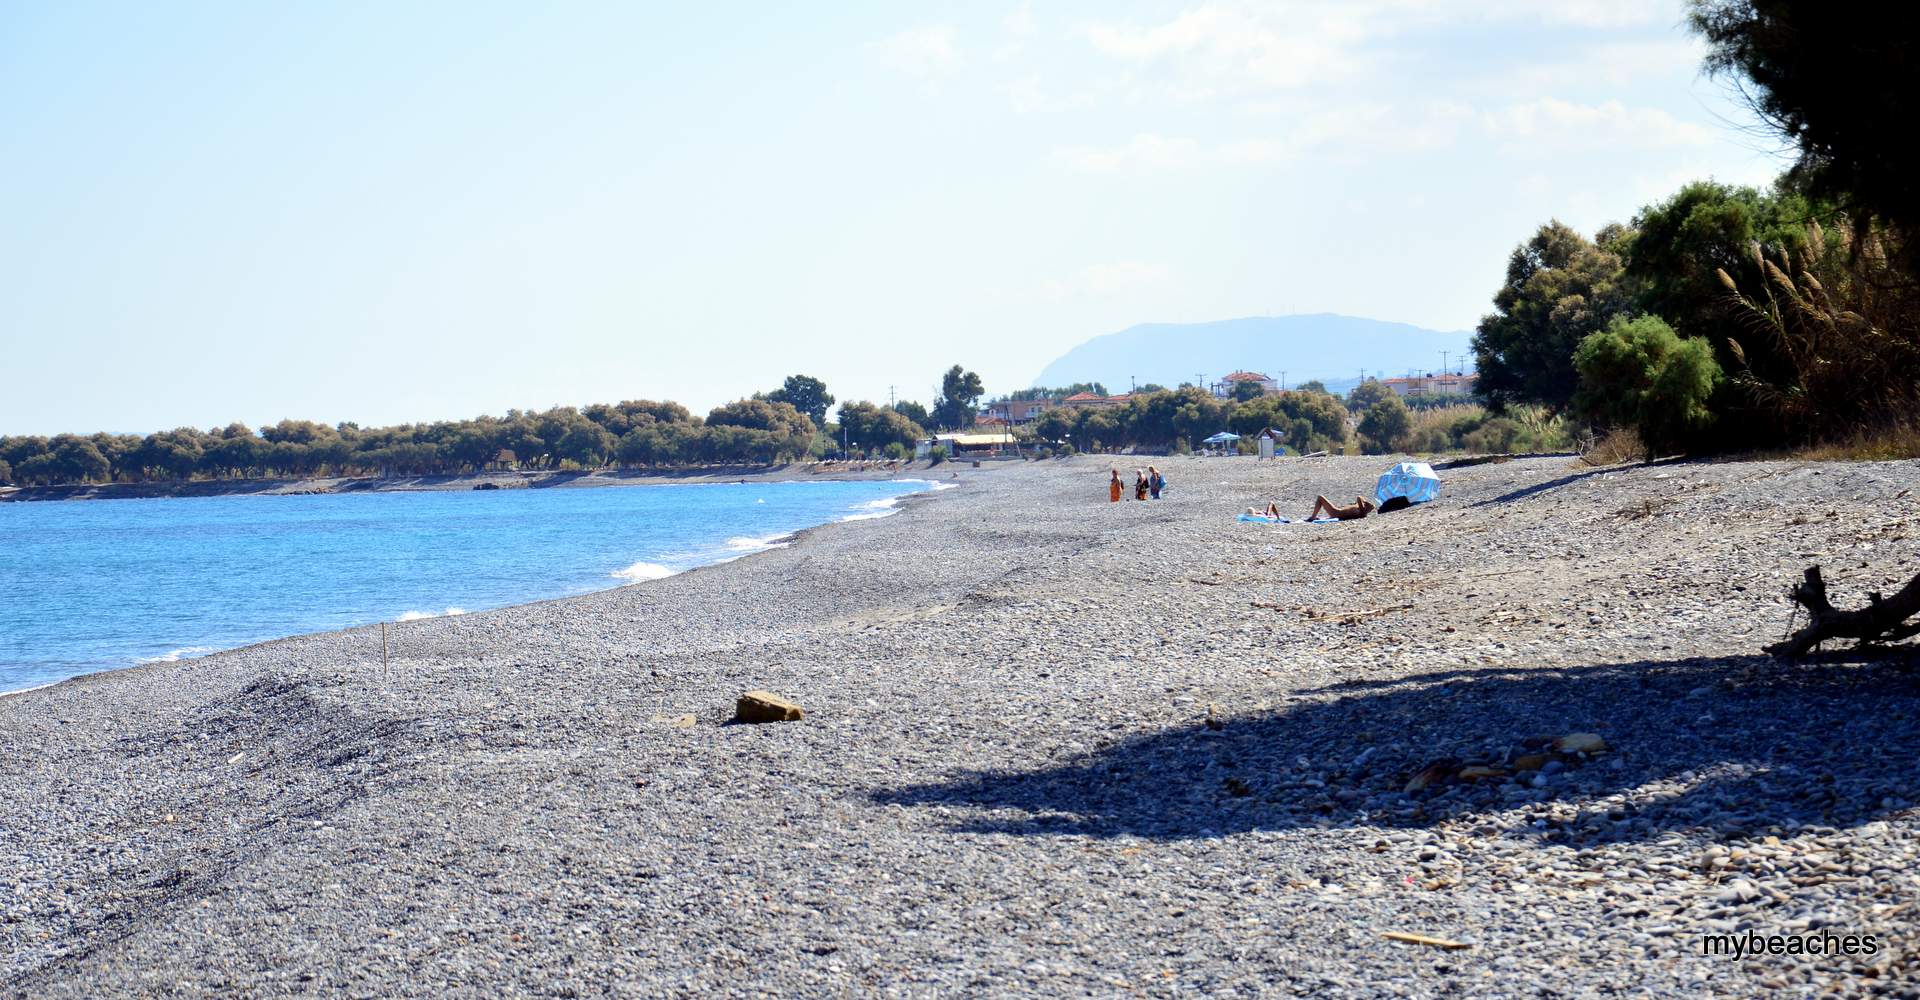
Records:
x=1272, y=512
x=1361, y=508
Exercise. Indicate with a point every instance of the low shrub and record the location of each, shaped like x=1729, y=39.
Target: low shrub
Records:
x=1616, y=446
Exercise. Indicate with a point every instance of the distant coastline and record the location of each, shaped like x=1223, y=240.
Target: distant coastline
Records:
x=787, y=472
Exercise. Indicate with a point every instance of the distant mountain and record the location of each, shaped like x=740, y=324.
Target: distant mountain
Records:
x=1325, y=346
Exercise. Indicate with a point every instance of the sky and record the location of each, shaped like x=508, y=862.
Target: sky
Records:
x=389, y=213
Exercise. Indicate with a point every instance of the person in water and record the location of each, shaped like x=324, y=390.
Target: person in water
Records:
x=1361, y=508
x=1113, y=487
x=1155, y=481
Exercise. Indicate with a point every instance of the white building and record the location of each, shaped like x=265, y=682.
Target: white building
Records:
x=1223, y=389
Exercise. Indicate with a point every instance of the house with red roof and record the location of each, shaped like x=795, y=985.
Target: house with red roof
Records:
x=1095, y=401
x=1223, y=389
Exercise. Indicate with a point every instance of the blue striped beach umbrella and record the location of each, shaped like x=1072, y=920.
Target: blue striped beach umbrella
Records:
x=1414, y=480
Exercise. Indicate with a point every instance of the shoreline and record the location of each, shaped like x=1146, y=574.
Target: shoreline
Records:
x=773, y=543
x=854, y=471
x=1051, y=744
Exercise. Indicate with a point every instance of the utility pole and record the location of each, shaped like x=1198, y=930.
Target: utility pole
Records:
x=1283, y=380
x=1200, y=379
x=1443, y=362
x=890, y=401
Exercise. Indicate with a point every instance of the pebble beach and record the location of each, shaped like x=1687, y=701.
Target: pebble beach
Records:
x=1520, y=741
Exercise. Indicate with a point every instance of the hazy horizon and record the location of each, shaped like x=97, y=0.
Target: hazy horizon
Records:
x=353, y=213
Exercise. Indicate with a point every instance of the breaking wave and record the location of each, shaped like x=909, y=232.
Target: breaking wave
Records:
x=873, y=508
x=642, y=571
x=183, y=653
x=414, y=616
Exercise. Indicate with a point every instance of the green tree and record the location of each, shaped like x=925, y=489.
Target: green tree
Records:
x=1680, y=246
x=759, y=414
x=1053, y=425
x=1836, y=84
x=1094, y=429
x=1385, y=426
x=586, y=443
x=873, y=428
x=173, y=454
x=960, y=392
x=16, y=450
x=913, y=411
x=1247, y=391
x=1560, y=287
x=805, y=393
x=6, y=471
x=236, y=455
x=1300, y=434
x=1062, y=392
x=789, y=433
x=77, y=460
x=1638, y=373
x=1312, y=385
x=1363, y=396
x=37, y=470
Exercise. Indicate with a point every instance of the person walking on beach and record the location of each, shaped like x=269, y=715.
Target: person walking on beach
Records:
x=1139, y=485
x=1113, y=488
x=1155, y=481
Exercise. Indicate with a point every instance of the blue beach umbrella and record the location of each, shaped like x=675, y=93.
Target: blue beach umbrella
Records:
x=1414, y=480
x=1221, y=438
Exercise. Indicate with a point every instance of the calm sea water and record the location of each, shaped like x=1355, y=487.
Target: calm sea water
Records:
x=96, y=584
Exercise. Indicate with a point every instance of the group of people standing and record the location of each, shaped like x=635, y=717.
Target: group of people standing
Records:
x=1147, y=483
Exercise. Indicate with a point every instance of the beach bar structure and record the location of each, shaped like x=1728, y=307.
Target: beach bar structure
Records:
x=997, y=444
x=1443, y=384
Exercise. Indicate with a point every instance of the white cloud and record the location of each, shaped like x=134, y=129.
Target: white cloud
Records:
x=1235, y=48
x=1107, y=280
x=1225, y=49
x=1017, y=29
x=1612, y=64
x=1331, y=133
x=1592, y=13
x=1553, y=125
x=1150, y=151
x=1019, y=22
x=1029, y=96
x=928, y=50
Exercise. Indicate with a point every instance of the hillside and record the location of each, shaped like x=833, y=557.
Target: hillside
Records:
x=1323, y=346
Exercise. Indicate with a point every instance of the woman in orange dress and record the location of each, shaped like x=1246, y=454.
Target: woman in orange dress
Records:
x=1113, y=488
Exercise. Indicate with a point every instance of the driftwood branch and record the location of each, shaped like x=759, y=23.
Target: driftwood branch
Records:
x=1883, y=619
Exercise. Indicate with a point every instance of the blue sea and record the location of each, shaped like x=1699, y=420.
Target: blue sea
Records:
x=89, y=585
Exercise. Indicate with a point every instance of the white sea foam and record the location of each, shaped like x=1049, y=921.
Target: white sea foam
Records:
x=414, y=616
x=183, y=653
x=749, y=543
x=873, y=508
x=642, y=571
